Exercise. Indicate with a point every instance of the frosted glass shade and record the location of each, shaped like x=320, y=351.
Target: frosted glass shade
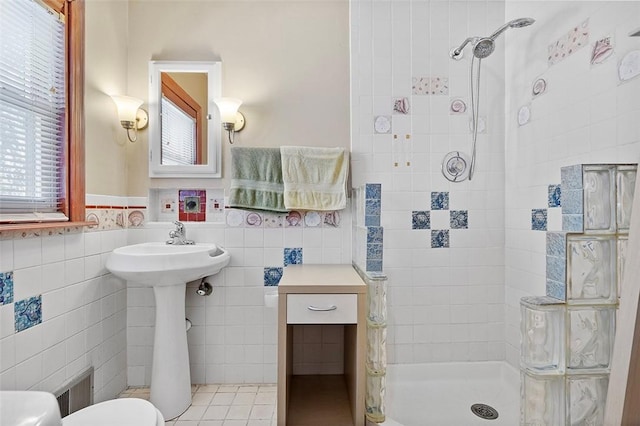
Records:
x=127, y=107
x=228, y=108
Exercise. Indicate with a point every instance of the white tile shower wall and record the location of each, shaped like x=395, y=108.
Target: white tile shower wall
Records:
x=83, y=312
x=585, y=116
x=234, y=335
x=444, y=303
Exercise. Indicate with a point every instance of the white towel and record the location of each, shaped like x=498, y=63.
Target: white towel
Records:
x=314, y=178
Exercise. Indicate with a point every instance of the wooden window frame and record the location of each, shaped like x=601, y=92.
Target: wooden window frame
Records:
x=176, y=94
x=73, y=205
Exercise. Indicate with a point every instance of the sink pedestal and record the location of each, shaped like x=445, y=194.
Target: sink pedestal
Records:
x=170, y=375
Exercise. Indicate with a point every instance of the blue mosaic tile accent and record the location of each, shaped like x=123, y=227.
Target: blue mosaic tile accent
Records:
x=372, y=212
x=372, y=221
x=272, y=276
x=459, y=219
x=556, y=265
x=375, y=235
x=556, y=290
x=556, y=269
x=6, y=288
x=573, y=202
x=28, y=312
x=372, y=204
x=374, y=252
x=572, y=222
x=572, y=198
x=557, y=244
x=421, y=219
x=571, y=177
x=440, y=238
x=374, y=265
x=373, y=191
x=439, y=201
x=554, y=196
x=292, y=256
x=539, y=219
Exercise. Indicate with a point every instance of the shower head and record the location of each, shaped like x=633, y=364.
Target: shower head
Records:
x=484, y=46
x=516, y=23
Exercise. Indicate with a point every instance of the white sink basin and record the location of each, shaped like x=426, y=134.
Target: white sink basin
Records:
x=168, y=268
x=161, y=264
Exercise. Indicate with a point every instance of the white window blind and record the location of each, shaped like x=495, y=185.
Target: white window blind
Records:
x=32, y=111
x=178, y=135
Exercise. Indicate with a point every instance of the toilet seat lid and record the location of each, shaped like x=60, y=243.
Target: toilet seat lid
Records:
x=116, y=412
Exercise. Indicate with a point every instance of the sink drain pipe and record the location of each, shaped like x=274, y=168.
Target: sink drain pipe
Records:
x=204, y=289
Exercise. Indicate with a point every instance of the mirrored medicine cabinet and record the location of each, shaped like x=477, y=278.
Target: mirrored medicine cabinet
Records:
x=184, y=124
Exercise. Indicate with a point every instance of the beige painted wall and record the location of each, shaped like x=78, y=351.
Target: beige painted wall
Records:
x=287, y=60
x=105, y=74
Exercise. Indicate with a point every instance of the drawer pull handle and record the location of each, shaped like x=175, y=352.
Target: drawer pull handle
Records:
x=330, y=308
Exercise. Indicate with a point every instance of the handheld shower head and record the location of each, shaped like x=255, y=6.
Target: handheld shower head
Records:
x=515, y=23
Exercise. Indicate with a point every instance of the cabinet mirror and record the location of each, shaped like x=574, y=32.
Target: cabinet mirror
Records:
x=184, y=125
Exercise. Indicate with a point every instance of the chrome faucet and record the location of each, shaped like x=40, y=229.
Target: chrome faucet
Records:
x=178, y=236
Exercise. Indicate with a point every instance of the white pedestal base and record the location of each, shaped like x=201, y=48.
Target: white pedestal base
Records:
x=170, y=375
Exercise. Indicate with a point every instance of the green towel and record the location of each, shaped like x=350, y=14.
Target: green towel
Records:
x=256, y=179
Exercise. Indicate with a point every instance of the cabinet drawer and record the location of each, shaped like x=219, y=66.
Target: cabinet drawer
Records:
x=322, y=308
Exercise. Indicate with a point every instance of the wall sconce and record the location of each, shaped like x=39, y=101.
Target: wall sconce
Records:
x=232, y=120
x=130, y=114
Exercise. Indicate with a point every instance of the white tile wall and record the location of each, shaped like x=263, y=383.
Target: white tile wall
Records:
x=586, y=116
x=233, y=338
x=83, y=312
x=438, y=298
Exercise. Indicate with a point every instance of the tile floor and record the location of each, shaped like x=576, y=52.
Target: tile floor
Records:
x=223, y=405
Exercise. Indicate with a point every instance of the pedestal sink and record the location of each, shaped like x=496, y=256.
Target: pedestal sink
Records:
x=167, y=268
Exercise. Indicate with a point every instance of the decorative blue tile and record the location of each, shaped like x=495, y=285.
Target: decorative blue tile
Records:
x=372, y=207
x=440, y=238
x=439, y=201
x=421, y=219
x=374, y=251
x=539, y=219
x=375, y=235
x=459, y=219
x=6, y=288
x=571, y=177
x=292, y=256
x=553, y=196
x=28, y=312
x=556, y=290
x=374, y=265
x=272, y=276
x=373, y=191
x=557, y=244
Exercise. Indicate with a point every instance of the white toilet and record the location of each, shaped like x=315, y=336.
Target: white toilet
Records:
x=31, y=408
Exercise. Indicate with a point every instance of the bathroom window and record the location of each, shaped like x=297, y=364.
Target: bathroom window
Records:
x=41, y=119
x=182, y=124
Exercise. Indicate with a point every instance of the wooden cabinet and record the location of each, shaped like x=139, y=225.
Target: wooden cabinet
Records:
x=322, y=294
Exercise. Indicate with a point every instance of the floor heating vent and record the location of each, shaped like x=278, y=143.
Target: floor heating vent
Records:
x=76, y=394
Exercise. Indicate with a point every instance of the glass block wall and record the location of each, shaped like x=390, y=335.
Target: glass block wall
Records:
x=567, y=335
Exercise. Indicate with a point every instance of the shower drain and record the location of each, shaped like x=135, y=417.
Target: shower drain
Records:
x=484, y=411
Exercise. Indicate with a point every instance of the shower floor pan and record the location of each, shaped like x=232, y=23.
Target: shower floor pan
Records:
x=441, y=394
